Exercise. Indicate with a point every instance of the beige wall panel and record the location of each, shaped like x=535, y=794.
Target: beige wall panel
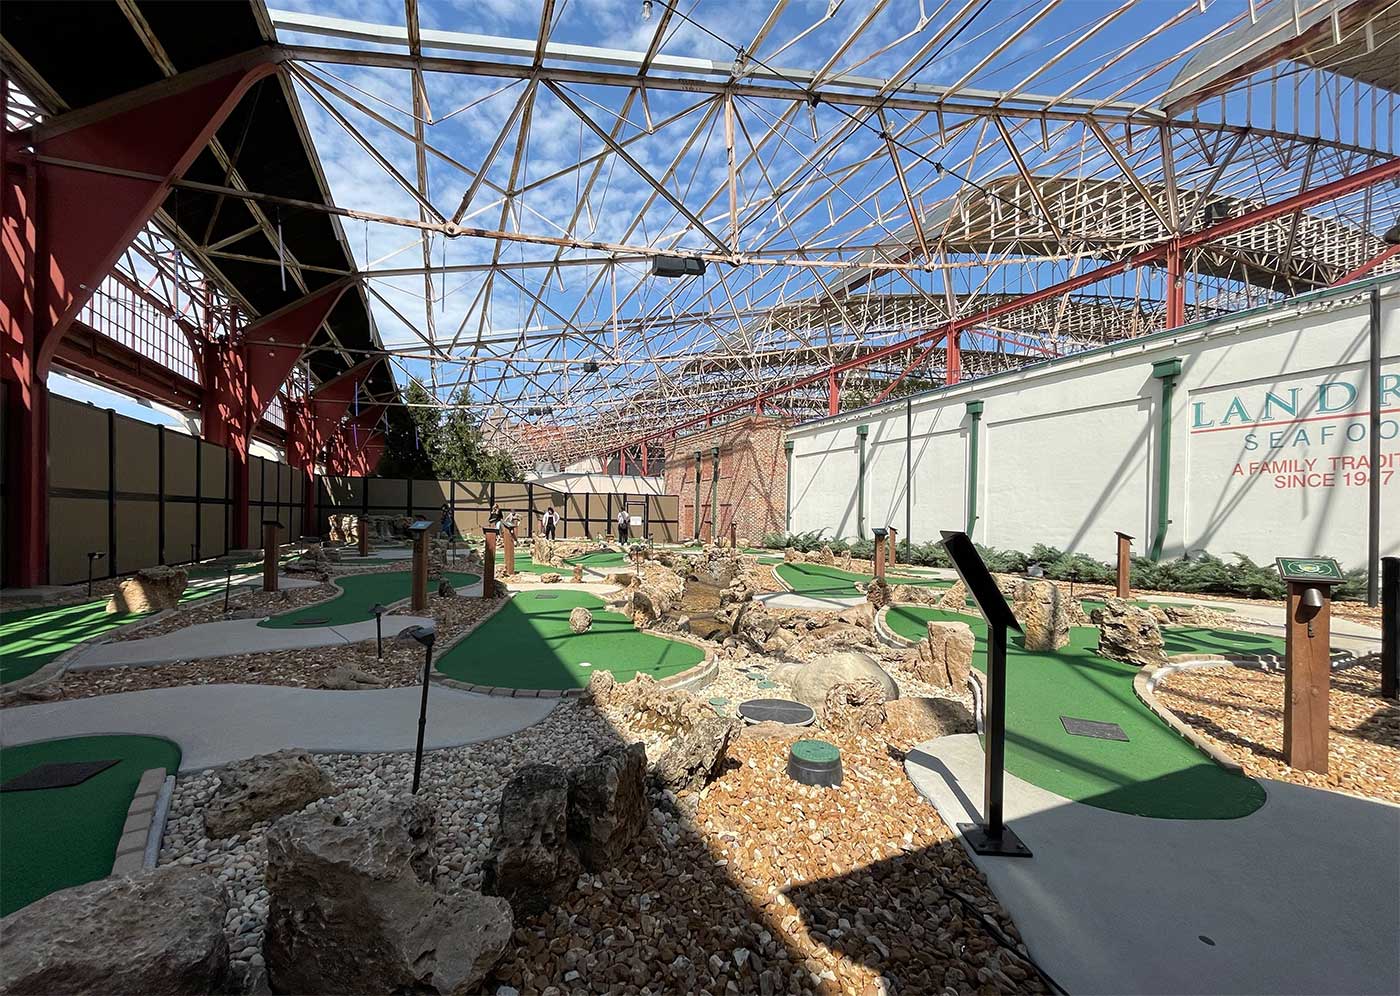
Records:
x=77, y=447
x=472, y=492
x=211, y=524
x=255, y=478
x=390, y=493
x=179, y=464
x=213, y=469
x=138, y=457
x=76, y=525
x=138, y=534
x=430, y=493
x=179, y=532
x=342, y=492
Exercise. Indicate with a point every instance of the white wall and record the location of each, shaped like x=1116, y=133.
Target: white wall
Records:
x=1268, y=443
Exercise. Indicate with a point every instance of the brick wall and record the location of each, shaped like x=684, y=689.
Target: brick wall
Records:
x=752, y=477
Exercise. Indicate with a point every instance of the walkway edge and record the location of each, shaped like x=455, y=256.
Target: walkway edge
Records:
x=1144, y=687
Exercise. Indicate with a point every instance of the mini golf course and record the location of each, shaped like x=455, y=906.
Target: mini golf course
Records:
x=60, y=837
x=600, y=558
x=1153, y=773
x=360, y=592
x=528, y=644
x=820, y=580
x=31, y=638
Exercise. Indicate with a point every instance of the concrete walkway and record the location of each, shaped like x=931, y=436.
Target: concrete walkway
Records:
x=232, y=636
x=1269, y=617
x=1302, y=896
x=792, y=600
x=216, y=724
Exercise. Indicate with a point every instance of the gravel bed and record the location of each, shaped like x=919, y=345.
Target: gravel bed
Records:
x=256, y=603
x=756, y=884
x=1240, y=710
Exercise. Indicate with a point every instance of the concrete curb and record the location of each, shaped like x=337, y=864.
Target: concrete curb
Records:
x=158, y=821
x=1144, y=684
x=140, y=823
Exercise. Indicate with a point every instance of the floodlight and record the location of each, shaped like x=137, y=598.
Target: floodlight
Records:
x=677, y=266
x=590, y=366
x=1392, y=234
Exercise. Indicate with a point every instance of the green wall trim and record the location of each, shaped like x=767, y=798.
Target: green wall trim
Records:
x=1166, y=371
x=974, y=409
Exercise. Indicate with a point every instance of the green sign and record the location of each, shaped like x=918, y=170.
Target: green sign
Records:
x=1320, y=569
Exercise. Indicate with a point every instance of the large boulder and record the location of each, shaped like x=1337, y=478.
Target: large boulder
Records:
x=825, y=556
x=608, y=805
x=791, y=555
x=534, y=863
x=580, y=619
x=878, y=593
x=913, y=720
x=353, y=909
x=954, y=597
x=1129, y=634
x=651, y=595
x=945, y=655
x=1043, y=614
x=697, y=755
x=914, y=594
x=810, y=682
x=159, y=931
x=854, y=706
x=264, y=788
x=149, y=590
x=347, y=679
x=861, y=614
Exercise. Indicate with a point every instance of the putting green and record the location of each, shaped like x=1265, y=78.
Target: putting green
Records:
x=361, y=592
x=1226, y=642
x=820, y=580
x=528, y=644
x=61, y=837
x=600, y=558
x=31, y=638
x=1154, y=773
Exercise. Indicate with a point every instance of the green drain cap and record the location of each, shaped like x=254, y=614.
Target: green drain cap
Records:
x=814, y=762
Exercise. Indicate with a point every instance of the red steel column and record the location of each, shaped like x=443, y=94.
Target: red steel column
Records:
x=953, y=351
x=833, y=395
x=1176, y=287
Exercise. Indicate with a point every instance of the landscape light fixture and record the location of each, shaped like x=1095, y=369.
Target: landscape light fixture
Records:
x=677, y=266
x=424, y=635
x=880, y=532
x=93, y=555
x=379, y=608
x=228, y=584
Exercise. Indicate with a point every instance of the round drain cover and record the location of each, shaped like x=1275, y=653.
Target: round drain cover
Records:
x=776, y=711
x=814, y=762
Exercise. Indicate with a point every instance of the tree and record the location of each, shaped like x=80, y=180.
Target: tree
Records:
x=409, y=436
x=423, y=440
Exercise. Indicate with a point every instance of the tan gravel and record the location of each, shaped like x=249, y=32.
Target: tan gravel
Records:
x=1241, y=711
x=767, y=886
x=258, y=602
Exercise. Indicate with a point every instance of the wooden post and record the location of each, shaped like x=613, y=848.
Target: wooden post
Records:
x=1307, y=678
x=879, y=558
x=892, y=546
x=364, y=536
x=733, y=536
x=488, y=563
x=420, y=570
x=1125, y=563
x=270, y=546
x=508, y=548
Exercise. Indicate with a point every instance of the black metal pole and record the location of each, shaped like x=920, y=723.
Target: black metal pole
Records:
x=228, y=583
x=1390, y=627
x=1373, y=481
x=90, y=558
x=378, y=636
x=908, y=480
x=422, y=717
x=995, y=755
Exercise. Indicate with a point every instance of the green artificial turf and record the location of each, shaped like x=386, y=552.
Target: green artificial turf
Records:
x=600, y=558
x=524, y=565
x=58, y=838
x=1155, y=773
x=528, y=644
x=1226, y=642
x=361, y=592
x=819, y=580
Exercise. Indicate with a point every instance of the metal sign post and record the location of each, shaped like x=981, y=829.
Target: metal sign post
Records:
x=993, y=836
x=1390, y=626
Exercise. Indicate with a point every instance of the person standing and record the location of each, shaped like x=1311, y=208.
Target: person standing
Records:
x=493, y=518
x=448, y=526
x=550, y=519
x=624, y=523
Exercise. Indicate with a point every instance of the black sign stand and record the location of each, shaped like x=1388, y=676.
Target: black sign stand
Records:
x=993, y=837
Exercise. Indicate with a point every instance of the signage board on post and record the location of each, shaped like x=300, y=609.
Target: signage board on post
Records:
x=992, y=836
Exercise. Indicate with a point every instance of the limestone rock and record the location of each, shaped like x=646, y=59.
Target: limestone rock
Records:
x=580, y=619
x=578, y=574
x=955, y=597
x=1190, y=615
x=608, y=805
x=149, y=590
x=551, y=578
x=855, y=706
x=695, y=757
x=877, y=593
x=445, y=589
x=791, y=555
x=1129, y=634
x=810, y=682
x=348, y=679
x=1043, y=614
x=602, y=686
x=352, y=908
x=264, y=788
x=534, y=863
x=861, y=614
x=913, y=720
x=825, y=556
x=845, y=560
x=159, y=931
x=945, y=655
